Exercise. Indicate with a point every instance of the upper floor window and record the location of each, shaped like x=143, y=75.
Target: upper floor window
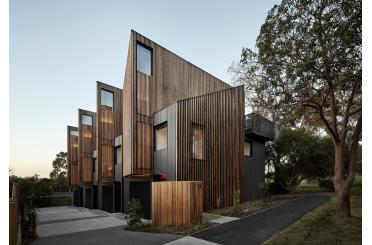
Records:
x=247, y=149
x=198, y=141
x=74, y=133
x=86, y=120
x=144, y=59
x=107, y=98
x=161, y=137
x=118, y=155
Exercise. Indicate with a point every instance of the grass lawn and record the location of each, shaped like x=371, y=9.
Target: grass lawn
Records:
x=322, y=227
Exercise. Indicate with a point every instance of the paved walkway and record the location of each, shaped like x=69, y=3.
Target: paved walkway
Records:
x=259, y=227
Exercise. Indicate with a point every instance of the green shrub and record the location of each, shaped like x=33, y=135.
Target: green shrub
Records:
x=135, y=212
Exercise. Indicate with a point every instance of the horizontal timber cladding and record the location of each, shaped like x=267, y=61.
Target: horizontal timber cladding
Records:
x=221, y=115
x=109, y=126
x=177, y=203
x=172, y=79
x=73, y=156
x=87, y=142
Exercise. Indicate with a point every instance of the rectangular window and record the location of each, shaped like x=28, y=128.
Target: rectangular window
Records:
x=86, y=120
x=144, y=59
x=74, y=133
x=198, y=141
x=247, y=149
x=118, y=155
x=107, y=98
x=161, y=137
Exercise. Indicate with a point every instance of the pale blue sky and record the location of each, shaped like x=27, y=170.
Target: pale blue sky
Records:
x=59, y=49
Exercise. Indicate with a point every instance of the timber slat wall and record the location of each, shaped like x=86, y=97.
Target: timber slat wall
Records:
x=173, y=78
x=87, y=146
x=109, y=126
x=73, y=156
x=177, y=203
x=221, y=114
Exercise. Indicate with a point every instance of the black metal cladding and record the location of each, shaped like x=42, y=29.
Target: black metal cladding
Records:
x=259, y=127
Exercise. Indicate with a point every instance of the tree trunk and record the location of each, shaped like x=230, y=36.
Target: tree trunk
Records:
x=343, y=200
x=342, y=187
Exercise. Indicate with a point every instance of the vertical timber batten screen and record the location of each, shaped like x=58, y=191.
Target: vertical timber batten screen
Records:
x=178, y=203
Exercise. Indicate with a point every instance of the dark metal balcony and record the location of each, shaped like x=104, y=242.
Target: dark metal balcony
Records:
x=259, y=127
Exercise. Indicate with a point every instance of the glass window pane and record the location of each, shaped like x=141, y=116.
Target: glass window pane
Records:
x=107, y=98
x=74, y=133
x=198, y=144
x=247, y=149
x=144, y=60
x=87, y=120
x=118, y=155
x=161, y=138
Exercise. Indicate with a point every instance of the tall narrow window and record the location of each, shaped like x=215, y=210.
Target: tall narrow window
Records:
x=87, y=120
x=198, y=141
x=247, y=149
x=161, y=137
x=107, y=98
x=118, y=155
x=144, y=59
x=94, y=164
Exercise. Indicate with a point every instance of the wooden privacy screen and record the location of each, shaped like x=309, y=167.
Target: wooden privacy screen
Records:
x=87, y=146
x=178, y=203
x=73, y=147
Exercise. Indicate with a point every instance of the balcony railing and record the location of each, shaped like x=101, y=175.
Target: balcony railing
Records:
x=256, y=125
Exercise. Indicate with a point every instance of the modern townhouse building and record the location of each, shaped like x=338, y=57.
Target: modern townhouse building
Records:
x=172, y=122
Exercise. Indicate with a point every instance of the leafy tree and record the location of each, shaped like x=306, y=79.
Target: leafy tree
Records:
x=308, y=72
x=59, y=172
x=59, y=165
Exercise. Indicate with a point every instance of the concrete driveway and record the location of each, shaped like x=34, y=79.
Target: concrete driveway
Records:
x=73, y=225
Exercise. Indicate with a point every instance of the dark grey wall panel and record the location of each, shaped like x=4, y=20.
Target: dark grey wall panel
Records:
x=254, y=169
x=88, y=195
x=105, y=194
x=165, y=160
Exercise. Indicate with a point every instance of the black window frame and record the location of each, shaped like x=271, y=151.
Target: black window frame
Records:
x=198, y=125
x=157, y=127
x=151, y=58
x=251, y=148
x=113, y=98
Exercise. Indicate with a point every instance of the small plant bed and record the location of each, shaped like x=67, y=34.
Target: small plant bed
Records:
x=170, y=228
x=246, y=208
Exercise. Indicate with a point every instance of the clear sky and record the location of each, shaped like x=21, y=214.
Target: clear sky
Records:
x=60, y=48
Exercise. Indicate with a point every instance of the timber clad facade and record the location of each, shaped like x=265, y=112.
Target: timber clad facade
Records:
x=72, y=156
x=109, y=120
x=220, y=115
x=87, y=131
x=172, y=121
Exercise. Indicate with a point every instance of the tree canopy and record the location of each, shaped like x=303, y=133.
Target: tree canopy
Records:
x=308, y=71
